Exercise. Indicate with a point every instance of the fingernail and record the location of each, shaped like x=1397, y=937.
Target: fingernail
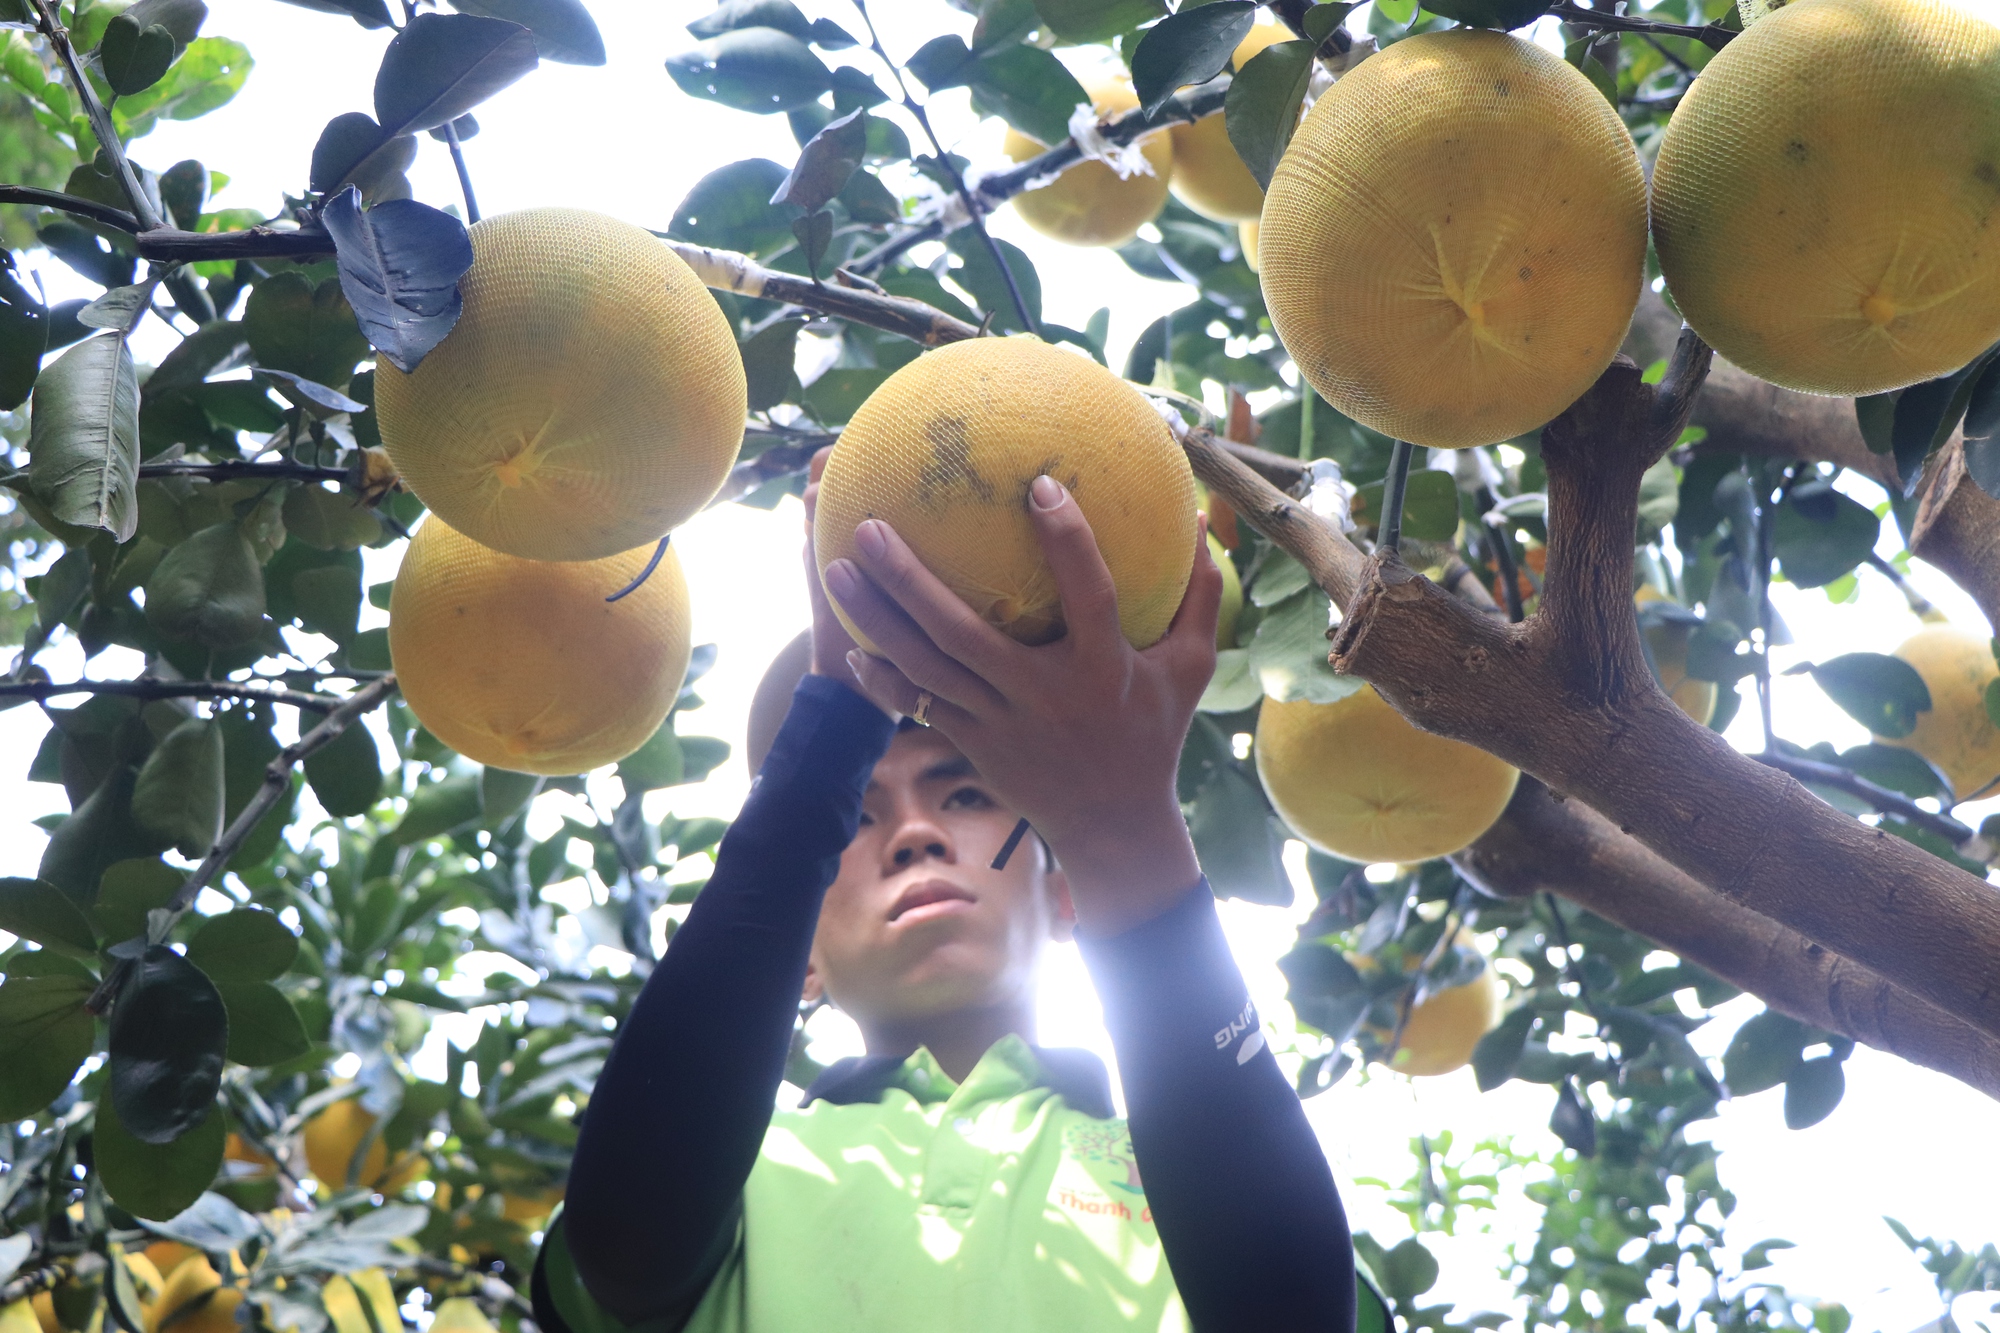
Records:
x=841, y=580
x=1046, y=492
x=870, y=539
x=854, y=661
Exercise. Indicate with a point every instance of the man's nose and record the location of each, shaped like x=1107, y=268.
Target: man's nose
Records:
x=917, y=837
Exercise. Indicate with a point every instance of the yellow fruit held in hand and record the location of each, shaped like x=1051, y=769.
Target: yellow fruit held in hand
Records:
x=1355, y=779
x=331, y=1138
x=1457, y=238
x=522, y=664
x=193, y=1300
x=1828, y=192
x=342, y=1297
x=590, y=398
x=1209, y=175
x=1955, y=734
x=1668, y=644
x=944, y=452
x=1446, y=1025
x=1232, y=595
x=1089, y=204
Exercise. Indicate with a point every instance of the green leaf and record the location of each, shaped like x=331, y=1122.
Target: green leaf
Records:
x=184, y=187
x=1192, y=46
x=1875, y=414
x=1261, y=108
x=353, y=150
x=1324, y=989
x=440, y=66
x=368, y=13
x=1499, y=1051
x=1234, y=686
x=346, y=774
x=181, y=18
x=503, y=794
x=730, y=209
x=839, y=393
x=1882, y=693
x=1763, y=1053
x=178, y=797
x=1081, y=21
x=1927, y=413
x=825, y=163
x=768, y=359
x=1409, y=1270
x=329, y=520
x=157, y=1181
x=168, y=1034
x=1288, y=653
x=24, y=337
x=436, y=808
x=1813, y=1090
x=45, y=1033
x=980, y=275
x=943, y=62
x=1430, y=506
x=733, y=14
x=83, y=440
x=1240, y=847
x=752, y=69
x=1029, y=89
x=97, y=834
x=400, y=263
x=130, y=889
x=246, y=944
x=564, y=31
x=209, y=589
x=208, y=74
x=1898, y=769
x=133, y=58
x=1819, y=534
x=264, y=1028
x=657, y=763
x=37, y=910
x=309, y=330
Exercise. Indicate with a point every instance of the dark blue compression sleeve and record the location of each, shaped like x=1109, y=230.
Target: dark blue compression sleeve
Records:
x=1246, y=1206
x=679, y=1113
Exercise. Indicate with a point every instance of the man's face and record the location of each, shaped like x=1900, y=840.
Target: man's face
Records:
x=918, y=922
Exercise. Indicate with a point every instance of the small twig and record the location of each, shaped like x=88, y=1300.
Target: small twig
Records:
x=250, y=471
x=1389, y=532
x=464, y=177
x=167, y=689
x=50, y=26
x=1712, y=35
x=32, y=1284
x=1415, y=991
x=490, y=1289
x=975, y=216
x=1882, y=798
x=1672, y=59
x=69, y=203
x=1503, y=556
x=277, y=781
x=728, y=271
x=659, y=554
x=1919, y=604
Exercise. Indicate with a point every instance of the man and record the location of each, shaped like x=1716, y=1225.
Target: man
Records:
x=957, y=1178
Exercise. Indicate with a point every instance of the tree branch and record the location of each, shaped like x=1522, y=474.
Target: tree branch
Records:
x=728, y=271
x=1957, y=529
x=277, y=781
x=1888, y=802
x=1542, y=844
x=168, y=689
x=244, y=470
x=50, y=26
x=1712, y=35
x=69, y=203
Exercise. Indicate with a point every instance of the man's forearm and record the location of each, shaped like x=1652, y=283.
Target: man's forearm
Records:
x=678, y=1115
x=1246, y=1207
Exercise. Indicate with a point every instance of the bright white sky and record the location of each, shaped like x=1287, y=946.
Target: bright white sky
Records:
x=624, y=140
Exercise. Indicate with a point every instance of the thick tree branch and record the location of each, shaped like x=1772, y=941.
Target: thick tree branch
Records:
x=1957, y=529
x=168, y=689
x=1542, y=844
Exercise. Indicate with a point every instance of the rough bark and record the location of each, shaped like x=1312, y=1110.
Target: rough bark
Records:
x=1958, y=530
x=1542, y=844
x=1568, y=698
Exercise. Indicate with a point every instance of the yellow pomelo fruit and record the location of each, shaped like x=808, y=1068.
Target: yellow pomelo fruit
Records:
x=331, y=1138
x=1955, y=734
x=944, y=451
x=522, y=664
x=460, y=1314
x=590, y=398
x=20, y=1317
x=1089, y=204
x=1446, y=1025
x=1232, y=595
x=1355, y=779
x=1669, y=646
x=239, y=1149
x=146, y=1278
x=1827, y=194
x=1246, y=236
x=43, y=1303
x=193, y=1300
x=342, y=1297
x=1209, y=175
x=531, y=1206
x=167, y=1255
x=1458, y=234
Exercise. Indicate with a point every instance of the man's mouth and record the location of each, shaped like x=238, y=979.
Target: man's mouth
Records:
x=930, y=898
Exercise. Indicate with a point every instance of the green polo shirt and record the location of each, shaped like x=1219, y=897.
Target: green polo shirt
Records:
x=996, y=1205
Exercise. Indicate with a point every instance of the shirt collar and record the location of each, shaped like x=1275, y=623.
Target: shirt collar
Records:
x=1010, y=1065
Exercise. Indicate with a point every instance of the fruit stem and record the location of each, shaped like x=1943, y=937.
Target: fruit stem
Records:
x=1390, y=530
x=464, y=177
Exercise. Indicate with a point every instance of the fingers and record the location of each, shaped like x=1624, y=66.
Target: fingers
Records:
x=1190, y=640
x=892, y=691
x=1089, y=598
x=941, y=615
x=904, y=642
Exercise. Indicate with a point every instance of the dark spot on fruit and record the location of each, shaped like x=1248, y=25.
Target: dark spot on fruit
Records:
x=1525, y=273
x=1987, y=174
x=1795, y=151
x=1500, y=88
x=950, y=466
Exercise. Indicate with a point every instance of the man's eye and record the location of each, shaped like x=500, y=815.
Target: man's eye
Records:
x=866, y=819
x=968, y=798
